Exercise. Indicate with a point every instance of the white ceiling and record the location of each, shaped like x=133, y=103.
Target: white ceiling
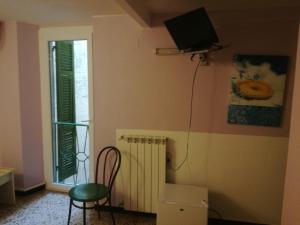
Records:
x=56, y=12
x=63, y=12
x=177, y=6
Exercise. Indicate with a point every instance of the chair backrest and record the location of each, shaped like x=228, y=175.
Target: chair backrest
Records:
x=110, y=160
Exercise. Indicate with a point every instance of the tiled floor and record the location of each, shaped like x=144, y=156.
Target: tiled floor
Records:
x=48, y=208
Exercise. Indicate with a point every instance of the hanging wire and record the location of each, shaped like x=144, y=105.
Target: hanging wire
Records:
x=190, y=115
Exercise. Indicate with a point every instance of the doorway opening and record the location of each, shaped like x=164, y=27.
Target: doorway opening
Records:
x=69, y=111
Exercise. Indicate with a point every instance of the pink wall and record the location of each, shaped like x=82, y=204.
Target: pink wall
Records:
x=20, y=116
x=129, y=89
x=134, y=88
x=1, y=55
x=30, y=103
x=291, y=202
x=10, y=138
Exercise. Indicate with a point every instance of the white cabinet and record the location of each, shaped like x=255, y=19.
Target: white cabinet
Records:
x=182, y=205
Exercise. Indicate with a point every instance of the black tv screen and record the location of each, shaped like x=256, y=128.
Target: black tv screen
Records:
x=192, y=31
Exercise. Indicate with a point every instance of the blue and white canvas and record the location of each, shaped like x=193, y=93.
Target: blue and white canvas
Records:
x=257, y=90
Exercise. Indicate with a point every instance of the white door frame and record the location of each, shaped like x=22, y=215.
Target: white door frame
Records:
x=59, y=34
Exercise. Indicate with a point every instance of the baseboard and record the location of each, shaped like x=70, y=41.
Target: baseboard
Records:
x=124, y=211
x=30, y=190
x=212, y=221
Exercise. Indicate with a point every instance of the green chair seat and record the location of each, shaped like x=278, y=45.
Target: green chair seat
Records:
x=88, y=192
x=94, y=192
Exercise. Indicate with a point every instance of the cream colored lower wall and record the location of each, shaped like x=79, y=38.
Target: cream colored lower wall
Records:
x=244, y=174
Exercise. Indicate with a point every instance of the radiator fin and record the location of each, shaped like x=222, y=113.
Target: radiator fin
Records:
x=142, y=171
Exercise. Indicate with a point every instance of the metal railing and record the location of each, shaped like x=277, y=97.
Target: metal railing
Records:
x=82, y=152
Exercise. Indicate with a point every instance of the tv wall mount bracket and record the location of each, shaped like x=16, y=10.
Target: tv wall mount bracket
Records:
x=203, y=54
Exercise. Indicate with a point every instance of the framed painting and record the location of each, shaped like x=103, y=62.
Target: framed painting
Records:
x=257, y=90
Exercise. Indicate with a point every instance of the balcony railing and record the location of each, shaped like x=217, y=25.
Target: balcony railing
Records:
x=82, y=153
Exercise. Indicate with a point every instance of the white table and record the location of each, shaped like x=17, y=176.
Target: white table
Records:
x=7, y=186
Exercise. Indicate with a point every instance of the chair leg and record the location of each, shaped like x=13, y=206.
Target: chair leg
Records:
x=84, y=213
x=112, y=214
x=70, y=211
x=98, y=210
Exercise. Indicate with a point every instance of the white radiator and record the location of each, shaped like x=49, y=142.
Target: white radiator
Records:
x=142, y=173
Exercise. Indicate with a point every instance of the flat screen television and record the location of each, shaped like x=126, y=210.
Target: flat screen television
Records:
x=192, y=31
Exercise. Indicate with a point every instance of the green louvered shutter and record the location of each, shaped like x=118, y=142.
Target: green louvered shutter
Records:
x=65, y=109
